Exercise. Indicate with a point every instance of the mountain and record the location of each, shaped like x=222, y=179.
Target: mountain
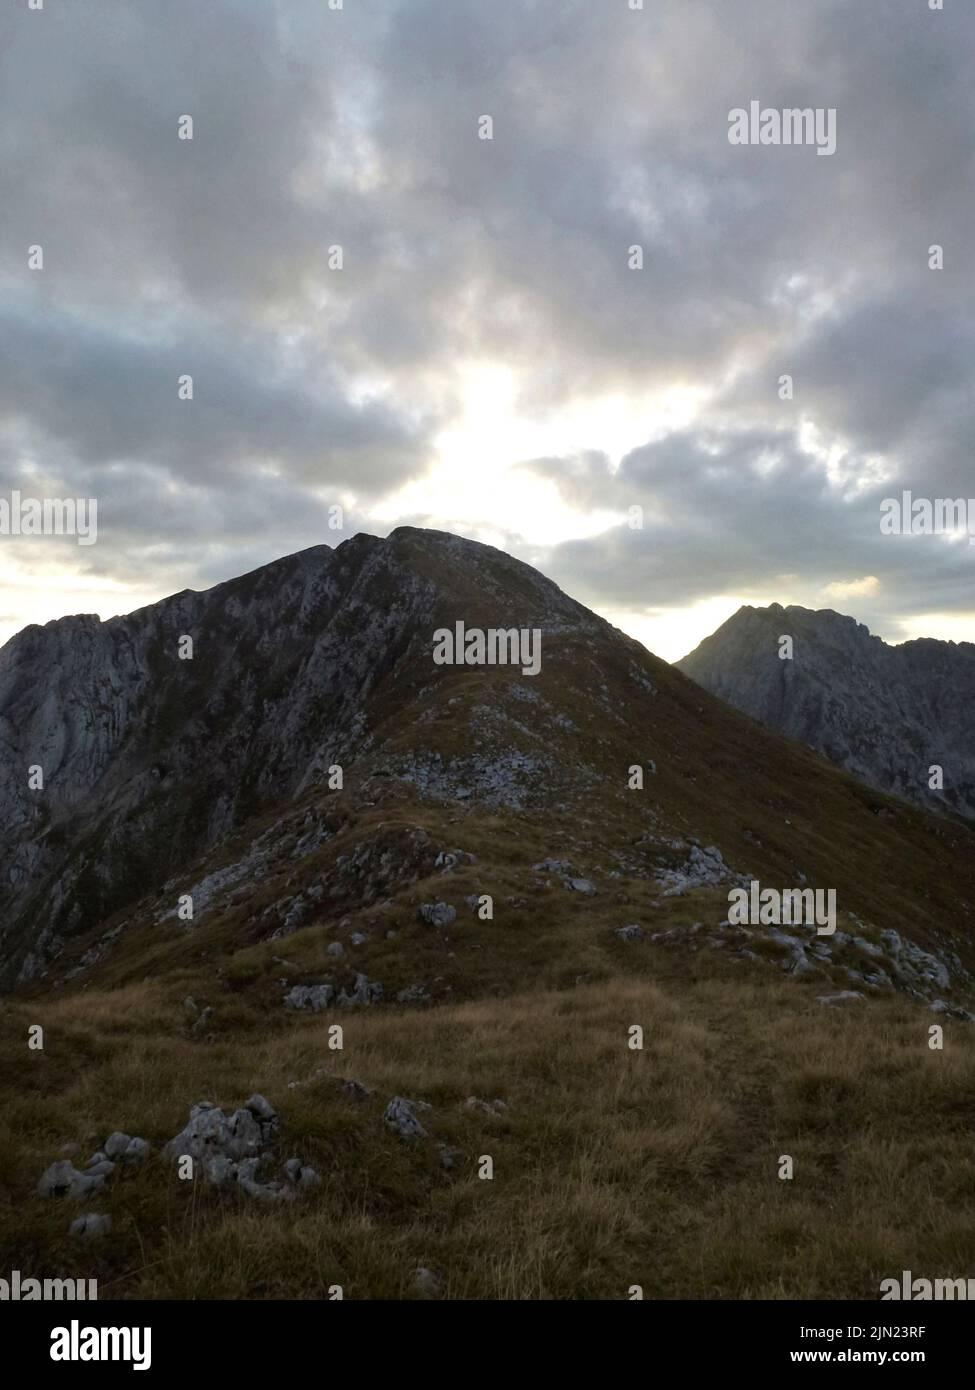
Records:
x=147, y=757
x=885, y=714
x=369, y=921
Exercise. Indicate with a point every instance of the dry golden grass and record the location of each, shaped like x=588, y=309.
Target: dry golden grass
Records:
x=612, y=1167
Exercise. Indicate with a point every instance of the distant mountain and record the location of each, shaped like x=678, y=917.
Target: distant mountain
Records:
x=886, y=714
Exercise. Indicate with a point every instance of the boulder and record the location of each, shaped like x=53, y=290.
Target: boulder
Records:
x=209, y=1132
x=62, y=1179
x=90, y=1223
x=123, y=1148
x=400, y=1116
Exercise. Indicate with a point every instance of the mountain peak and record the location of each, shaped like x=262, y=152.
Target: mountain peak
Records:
x=881, y=712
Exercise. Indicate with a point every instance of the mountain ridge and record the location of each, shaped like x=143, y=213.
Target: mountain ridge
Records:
x=885, y=713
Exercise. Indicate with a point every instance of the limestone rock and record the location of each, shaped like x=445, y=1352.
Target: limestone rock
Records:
x=90, y=1223
x=438, y=914
x=633, y=932
x=400, y=1116
x=62, y=1179
x=313, y=997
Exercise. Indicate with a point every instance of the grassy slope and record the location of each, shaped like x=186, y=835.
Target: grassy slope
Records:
x=612, y=1167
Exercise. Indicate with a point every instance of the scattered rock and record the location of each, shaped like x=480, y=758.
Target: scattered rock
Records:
x=581, y=885
x=438, y=914
x=845, y=996
x=365, y=992
x=301, y=1176
x=116, y=1144
x=356, y=1090
x=232, y=1149
x=448, y=859
x=796, y=961
x=90, y=1223
x=243, y=1134
x=205, y=1018
x=913, y=966
x=314, y=997
x=413, y=994
x=399, y=1115
x=487, y=1107
x=941, y=1006
x=100, y=1169
x=426, y=1283
x=631, y=933
x=263, y=1110
x=62, y=1179
x=703, y=866
x=247, y=1181
x=335, y=948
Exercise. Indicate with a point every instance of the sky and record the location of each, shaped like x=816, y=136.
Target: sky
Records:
x=382, y=310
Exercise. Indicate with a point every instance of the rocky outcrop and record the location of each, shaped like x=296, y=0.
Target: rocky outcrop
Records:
x=232, y=1149
x=886, y=714
x=888, y=964
x=400, y=1116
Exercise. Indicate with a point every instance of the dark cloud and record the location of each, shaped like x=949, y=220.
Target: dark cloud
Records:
x=315, y=128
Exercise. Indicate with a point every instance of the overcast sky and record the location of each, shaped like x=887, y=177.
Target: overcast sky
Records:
x=485, y=360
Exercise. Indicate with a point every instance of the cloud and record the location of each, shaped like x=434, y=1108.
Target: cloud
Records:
x=357, y=128
x=853, y=588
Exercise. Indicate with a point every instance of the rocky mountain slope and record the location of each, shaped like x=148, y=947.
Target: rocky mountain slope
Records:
x=147, y=757
x=885, y=714
x=484, y=910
